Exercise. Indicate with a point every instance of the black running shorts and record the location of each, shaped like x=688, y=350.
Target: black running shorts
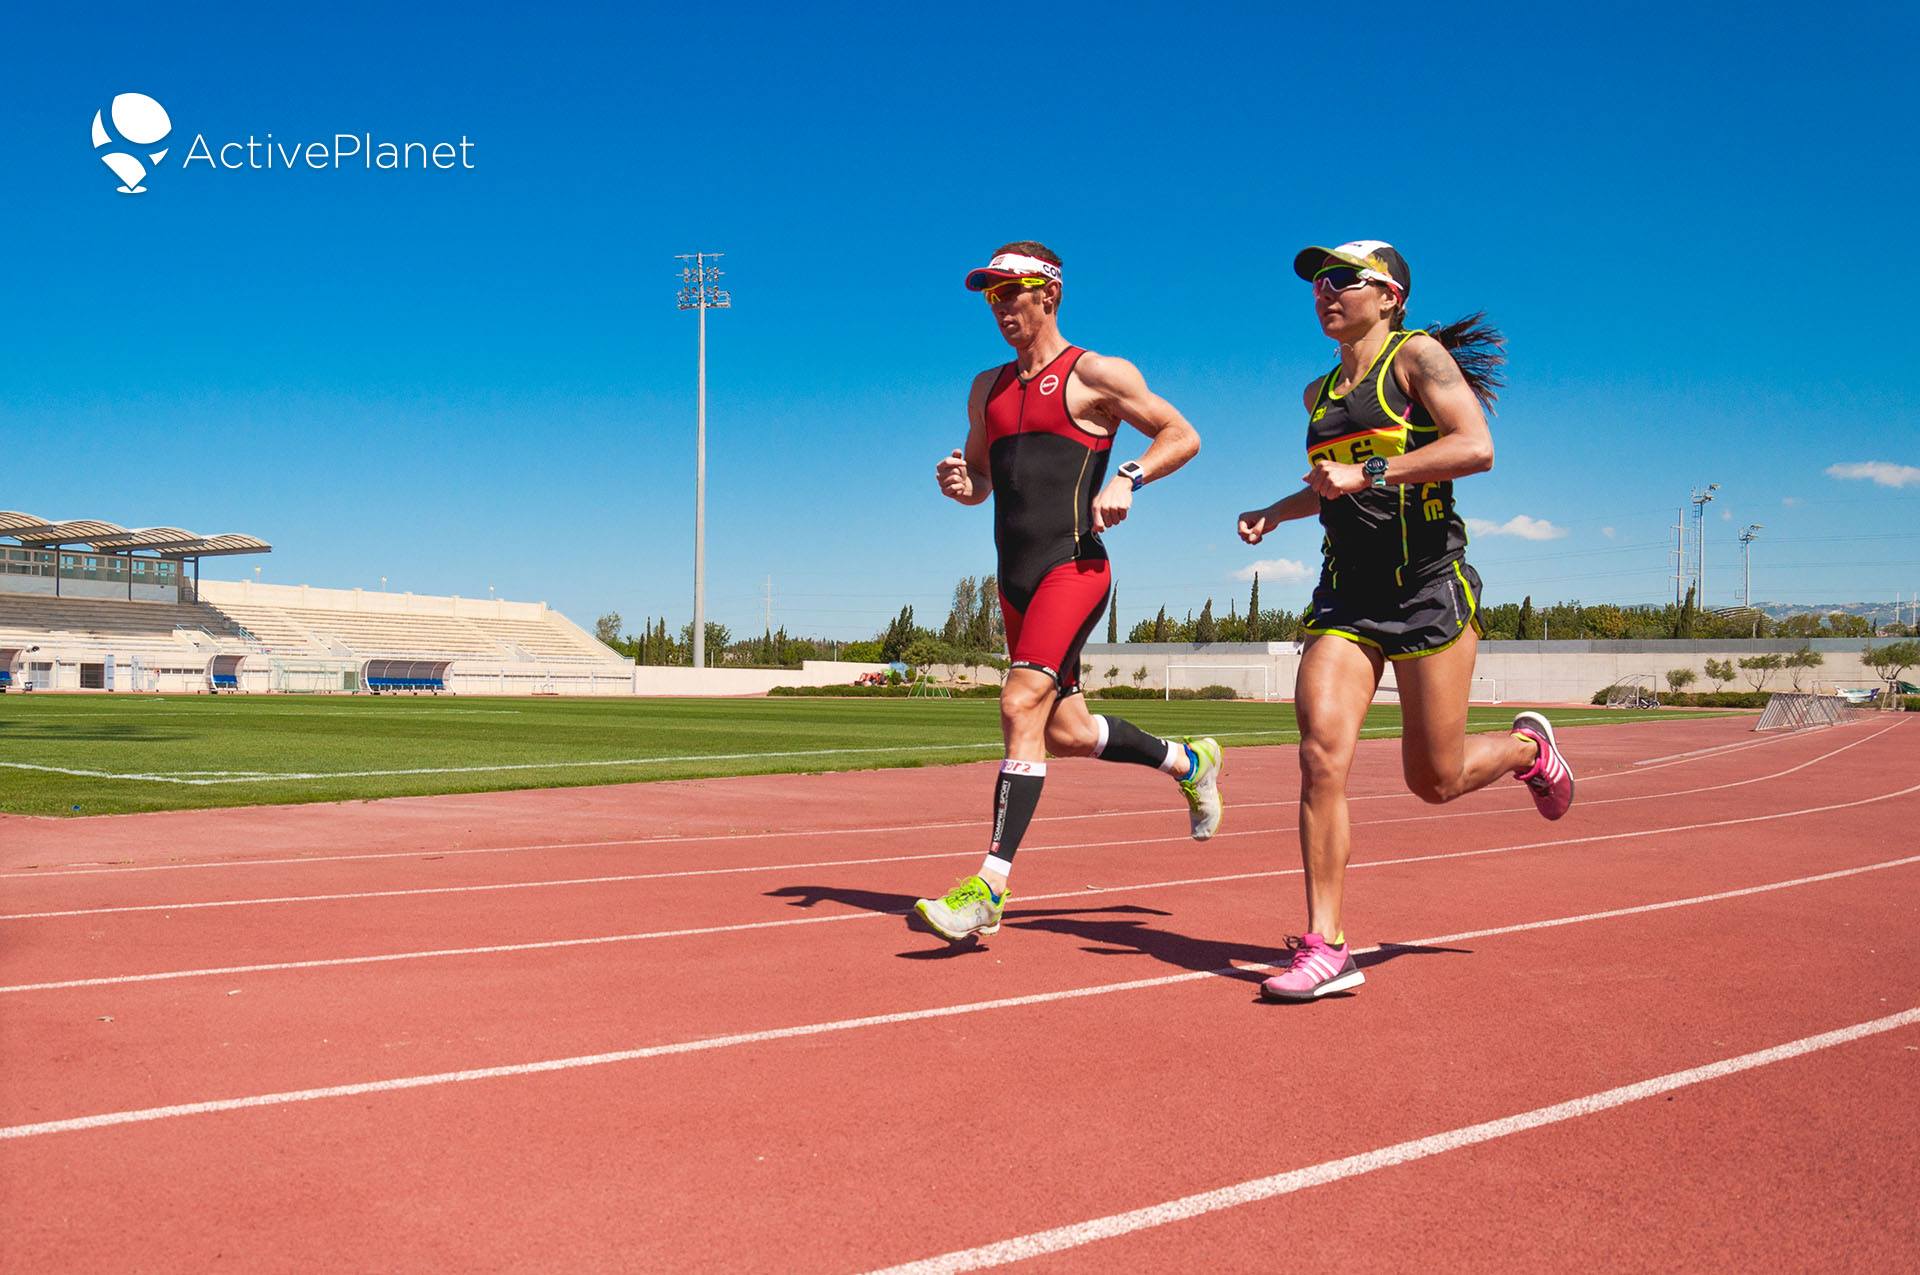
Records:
x=1403, y=625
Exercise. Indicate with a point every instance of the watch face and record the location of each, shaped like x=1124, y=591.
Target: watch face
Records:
x=1376, y=465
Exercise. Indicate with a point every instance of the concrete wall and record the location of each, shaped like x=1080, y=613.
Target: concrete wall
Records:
x=1528, y=672
x=656, y=680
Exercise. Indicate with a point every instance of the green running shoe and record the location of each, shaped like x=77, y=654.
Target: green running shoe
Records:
x=968, y=909
x=1205, y=801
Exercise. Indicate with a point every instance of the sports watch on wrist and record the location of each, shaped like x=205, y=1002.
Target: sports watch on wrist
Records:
x=1376, y=471
x=1132, y=472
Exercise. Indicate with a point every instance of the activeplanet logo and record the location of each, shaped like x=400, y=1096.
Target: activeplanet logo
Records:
x=125, y=132
x=139, y=122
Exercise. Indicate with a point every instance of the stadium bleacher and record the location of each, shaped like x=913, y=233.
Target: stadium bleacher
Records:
x=31, y=616
x=89, y=605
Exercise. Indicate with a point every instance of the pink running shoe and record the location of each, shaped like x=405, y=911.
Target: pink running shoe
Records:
x=1550, y=778
x=1318, y=968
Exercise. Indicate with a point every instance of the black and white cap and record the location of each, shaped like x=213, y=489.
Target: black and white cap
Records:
x=1375, y=260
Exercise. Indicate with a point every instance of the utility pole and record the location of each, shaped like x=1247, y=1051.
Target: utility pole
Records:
x=769, y=604
x=1700, y=499
x=1679, y=555
x=697, y=292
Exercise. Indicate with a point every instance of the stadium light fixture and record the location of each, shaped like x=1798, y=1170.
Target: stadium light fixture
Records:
x=1700, y=499
x=699, y=291
x=1747, y=538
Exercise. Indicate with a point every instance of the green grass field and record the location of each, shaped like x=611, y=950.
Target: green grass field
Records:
x=99, y=754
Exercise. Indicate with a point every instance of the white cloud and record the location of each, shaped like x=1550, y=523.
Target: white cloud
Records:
x=1519, y=525
x=1791, y=501
x=1885, y=473
x=1276, y=571
x=1607, y=532
x=1726, y=515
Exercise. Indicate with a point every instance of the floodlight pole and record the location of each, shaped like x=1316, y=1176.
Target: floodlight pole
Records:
x=1700, y=499
x=1747, y=538
x=697, y=292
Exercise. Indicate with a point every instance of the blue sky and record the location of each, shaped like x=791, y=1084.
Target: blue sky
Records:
x=1694, y=224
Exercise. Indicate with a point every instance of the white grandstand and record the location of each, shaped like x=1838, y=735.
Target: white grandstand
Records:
x=88, y=605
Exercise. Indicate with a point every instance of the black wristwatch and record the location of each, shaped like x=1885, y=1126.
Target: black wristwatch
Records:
x=1132, y=472
x=1376, y=471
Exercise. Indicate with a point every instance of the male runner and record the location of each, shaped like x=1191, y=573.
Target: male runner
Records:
x=1039, y=431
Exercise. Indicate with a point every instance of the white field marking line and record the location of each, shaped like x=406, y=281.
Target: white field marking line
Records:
x=1076, y=1234
x=770, y=834
x=237, y=777
x=850, y=1024
x=899, y=858
x=736, y=927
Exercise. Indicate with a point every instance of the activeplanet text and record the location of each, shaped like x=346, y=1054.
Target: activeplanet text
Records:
x=357, y=150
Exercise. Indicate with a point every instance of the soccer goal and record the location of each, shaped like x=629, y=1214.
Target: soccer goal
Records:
x=1481, y=690
x=1246, y=681
x=1636, y=690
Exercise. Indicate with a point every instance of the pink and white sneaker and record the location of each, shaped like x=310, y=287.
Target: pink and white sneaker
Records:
x=1550, y=778
x=1318, y=968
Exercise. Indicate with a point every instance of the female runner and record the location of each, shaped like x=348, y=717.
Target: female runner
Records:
x=1388, y=430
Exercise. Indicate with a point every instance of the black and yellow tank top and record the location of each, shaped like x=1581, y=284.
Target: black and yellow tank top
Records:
x=1391, y=537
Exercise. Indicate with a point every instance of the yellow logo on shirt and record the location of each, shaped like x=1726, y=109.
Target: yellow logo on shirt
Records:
x=1356, y=449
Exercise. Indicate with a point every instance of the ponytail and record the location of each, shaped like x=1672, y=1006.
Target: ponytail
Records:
x=1476, y=346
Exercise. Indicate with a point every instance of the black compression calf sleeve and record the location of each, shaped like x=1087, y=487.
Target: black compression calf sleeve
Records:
x=1121, y=740
x=1016, y=795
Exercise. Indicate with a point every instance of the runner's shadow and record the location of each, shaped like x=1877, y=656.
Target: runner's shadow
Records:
x=806, y=896
x=1394, y=951
x=901, y=905
x=1131, y=937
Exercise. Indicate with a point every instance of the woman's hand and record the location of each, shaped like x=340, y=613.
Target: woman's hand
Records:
x=1332, y=480
x=1256, y=523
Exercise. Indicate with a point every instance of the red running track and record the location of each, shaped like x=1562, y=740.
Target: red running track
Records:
x=683, y=1026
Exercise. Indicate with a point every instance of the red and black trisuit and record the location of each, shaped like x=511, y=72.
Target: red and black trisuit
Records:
x=1054, y=577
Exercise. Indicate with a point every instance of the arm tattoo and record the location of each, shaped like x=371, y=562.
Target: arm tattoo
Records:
x=1437, y=367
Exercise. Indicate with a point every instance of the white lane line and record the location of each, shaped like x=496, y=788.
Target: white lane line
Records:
x=550, y=944
x=899, y=858
x=255, y=777
x=777, y=834
x=1039, y=1243
x=144, y=1114
x=174, y=777
x=210, y=777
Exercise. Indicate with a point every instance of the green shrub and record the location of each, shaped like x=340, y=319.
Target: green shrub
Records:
x=877, y=692
x=1722, y=699
x=1179, y=692
x=1703, y=699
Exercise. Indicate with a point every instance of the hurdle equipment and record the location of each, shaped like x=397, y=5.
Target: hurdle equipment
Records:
x=1793, y=710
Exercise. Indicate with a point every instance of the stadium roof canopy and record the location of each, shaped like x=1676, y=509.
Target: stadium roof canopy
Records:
x=107, y=537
